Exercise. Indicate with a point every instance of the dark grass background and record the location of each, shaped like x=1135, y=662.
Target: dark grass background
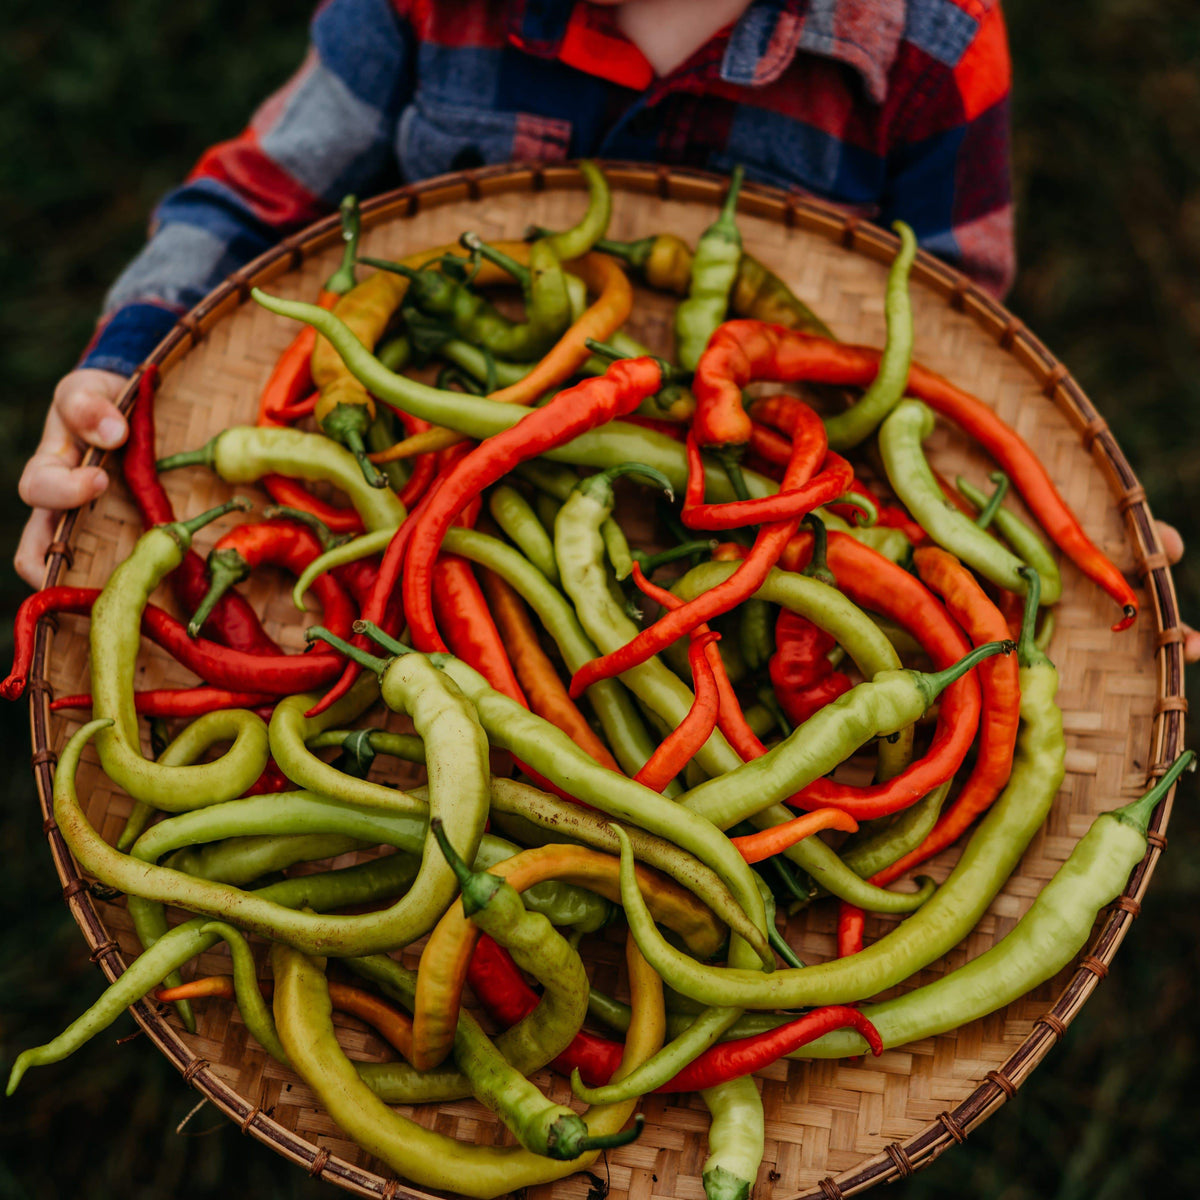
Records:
x=104, y=105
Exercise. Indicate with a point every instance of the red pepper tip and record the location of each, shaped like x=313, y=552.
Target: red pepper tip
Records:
x=13, y=687
x=1128, y=615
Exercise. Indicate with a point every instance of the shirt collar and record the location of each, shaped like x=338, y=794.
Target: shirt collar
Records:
x=863, y=34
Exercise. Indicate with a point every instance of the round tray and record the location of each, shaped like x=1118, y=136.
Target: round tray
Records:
x=833, y=1128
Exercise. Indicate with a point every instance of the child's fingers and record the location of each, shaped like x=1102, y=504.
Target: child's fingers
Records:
x=84, y=402
x=30, y=558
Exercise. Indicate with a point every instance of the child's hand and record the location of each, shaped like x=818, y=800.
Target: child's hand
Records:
x=82, y=412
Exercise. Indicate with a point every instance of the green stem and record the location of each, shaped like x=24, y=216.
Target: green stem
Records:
x=651, y=562
x=934, y=683
x=385, y=264
x=988, y=512
x=190, y=526
x=318, y=633
x=381, y=638
x=225, y=568
x=342, y=280
x=478, y=887
x=189, y=458
x=818, y=567
x=325, y=535
x=474, y=243
x=1138, y=813
x=1028, y=653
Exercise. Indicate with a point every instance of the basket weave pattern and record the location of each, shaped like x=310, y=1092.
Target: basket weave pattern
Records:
x=833, y=1128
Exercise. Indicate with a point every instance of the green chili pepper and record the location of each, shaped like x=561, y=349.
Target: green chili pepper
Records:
x=592, y=226
x=244, y=454
x=848, y=429
x=736, y=1139
x=912, y=479
x=1044, y=940
x=361, y=884
x=364, y=933
x=242, y=860
x=114, y=640
x=714, y=269
x=1024, y=541
x=882, y=847
x=515, y=516
x=381, y=436
x=256, y=1015
x=492, y=373
x=985, y=863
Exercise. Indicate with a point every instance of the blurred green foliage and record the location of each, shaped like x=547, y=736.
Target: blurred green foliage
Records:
x=105, y=105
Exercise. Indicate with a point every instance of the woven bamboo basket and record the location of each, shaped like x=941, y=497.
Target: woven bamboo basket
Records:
x=832, y=1128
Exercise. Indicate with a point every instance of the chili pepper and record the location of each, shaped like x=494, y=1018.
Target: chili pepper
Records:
x=986, y=861
x=679, y=746
x=582, y=407
x=390, y=1023
x=1048, y=937
x=536, y=673
x=442, y=715
x=891, y=700
x=998, y=732
x=801, y=673
x=482, y=417
x=517, y=1167
x=445, y=960
x=736, y=1139
x=244, y=454
x=900, y=439
x=872, y=581
x=768, y=545
x=185, y=703
x=554, y=755
x=1024, y=541
x=591, y=227
x=234, y=623
x=742, y=345
x=114, y=636
x=279, y=543
x=848, y=429
x=714, y=268
x=361, y=884
x=424, y=469
x=755, y=847
x=515, y=516
x=463, y=613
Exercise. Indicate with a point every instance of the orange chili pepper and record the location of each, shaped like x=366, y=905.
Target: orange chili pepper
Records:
x=545, y=691
x=754, y=847
x=390, y=1023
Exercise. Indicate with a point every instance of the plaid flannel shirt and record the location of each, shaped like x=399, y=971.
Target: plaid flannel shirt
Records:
x=889, y=108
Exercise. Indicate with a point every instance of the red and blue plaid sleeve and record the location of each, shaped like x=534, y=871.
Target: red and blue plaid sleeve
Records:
x=327, y=132
x=949, y=170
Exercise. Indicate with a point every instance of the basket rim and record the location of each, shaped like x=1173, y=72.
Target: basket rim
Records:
x=898, y=1159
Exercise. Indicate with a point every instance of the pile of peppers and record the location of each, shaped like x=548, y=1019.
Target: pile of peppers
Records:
x=760, y=692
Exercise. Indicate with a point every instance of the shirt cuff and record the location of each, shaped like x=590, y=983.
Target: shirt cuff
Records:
x=126, y=338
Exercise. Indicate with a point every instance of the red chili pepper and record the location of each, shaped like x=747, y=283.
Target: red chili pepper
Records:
x=221, y=666
x=679, y=747
x=280, y=543
x=572, y=412
x=730, y=718
x=766, y=843
x=999, y=679
x=851, y=925
x=744, y=582
x=184, y=703
x=801, y=673
x=271, y=781
x=425, y=466
x=233, y=621
x=738, y=348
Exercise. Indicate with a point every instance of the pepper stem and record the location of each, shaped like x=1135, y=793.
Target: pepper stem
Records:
x=342, y=280
x=1028, y=652
x=730, y=457
x=782, y=947
x=189, y=458
x=865, y=505
x=192, y=524
x=325, y=535
x=474, y=243
x=225, y=567
x=318, y=633
x=386, y=264
x=668, y=371
x=934, y=683
x=636, y=253
x=358, y=753
x=653, y=474
x=356, y=446
x=1138, y=813
x=381, y=638
x=818, y=566
x=988, y=512
x=478, y=887
x=651, y=562
x=609, y=1141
